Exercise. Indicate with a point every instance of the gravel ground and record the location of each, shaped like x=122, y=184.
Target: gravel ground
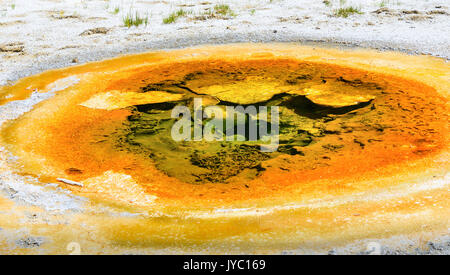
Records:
x=41, y=34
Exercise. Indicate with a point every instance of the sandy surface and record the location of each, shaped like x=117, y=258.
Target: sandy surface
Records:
x=38, y=35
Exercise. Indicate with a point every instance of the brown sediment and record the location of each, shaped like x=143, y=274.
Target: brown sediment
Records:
x=348, y=125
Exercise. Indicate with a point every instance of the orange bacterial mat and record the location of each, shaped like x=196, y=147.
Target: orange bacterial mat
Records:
x=363, y=148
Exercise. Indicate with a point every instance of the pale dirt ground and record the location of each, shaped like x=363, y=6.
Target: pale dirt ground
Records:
x=49, y=30
x=37, y=35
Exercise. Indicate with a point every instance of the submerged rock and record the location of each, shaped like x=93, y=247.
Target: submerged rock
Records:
x=30, y=242
x=15, y=47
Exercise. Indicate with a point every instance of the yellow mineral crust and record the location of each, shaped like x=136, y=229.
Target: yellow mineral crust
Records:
x=323, y=95
x=112, y=100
